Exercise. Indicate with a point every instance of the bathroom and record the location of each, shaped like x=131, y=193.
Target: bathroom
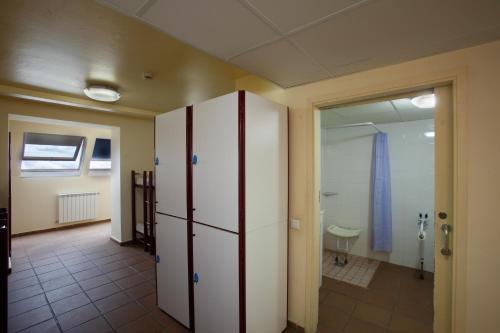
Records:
x=377, y=207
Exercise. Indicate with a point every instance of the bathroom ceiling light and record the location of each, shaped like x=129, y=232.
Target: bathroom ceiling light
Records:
x=430, y=134
x=102, y=93
x=424, y=101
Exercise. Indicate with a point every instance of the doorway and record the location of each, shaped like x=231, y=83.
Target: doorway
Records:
x=385, y=171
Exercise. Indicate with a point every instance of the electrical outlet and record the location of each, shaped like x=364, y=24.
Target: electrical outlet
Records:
x=295, y=224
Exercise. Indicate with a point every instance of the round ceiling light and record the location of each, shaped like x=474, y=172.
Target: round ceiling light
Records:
x=424, y=101
x=102, y=93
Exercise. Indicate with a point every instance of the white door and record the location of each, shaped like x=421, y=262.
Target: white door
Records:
x=216, y=288
x=172, y=267
x=170, y=143
x=215, y=168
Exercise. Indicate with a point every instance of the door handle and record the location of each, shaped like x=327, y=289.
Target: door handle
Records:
x=446, y=229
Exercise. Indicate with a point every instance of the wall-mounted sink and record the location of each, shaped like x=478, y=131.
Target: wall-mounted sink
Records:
x=343, y=232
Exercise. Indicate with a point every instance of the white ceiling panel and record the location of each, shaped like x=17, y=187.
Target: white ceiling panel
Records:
x=397, y=110
x=390, y=31
x=292, y=14
x=281, y=62
x=128, y=7
x=220, y=27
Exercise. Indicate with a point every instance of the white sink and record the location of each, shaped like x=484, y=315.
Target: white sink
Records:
x=343, y=232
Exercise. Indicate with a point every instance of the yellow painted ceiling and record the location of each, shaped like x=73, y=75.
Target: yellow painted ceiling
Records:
x=61, y=46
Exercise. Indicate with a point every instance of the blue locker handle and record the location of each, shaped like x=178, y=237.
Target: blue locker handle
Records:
x=157, y=259
x=196, y=278
x=157, y=161
x=195, y=159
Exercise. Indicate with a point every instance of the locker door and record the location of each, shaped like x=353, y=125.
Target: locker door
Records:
x=215, y=168
x=216, y=289
x=172, y=267
x=170, y=143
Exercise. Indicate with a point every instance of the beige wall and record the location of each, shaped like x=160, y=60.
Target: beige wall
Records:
x=477, y=74
x=135, y=139
x=40, y=193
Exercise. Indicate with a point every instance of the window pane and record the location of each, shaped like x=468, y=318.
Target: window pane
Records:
x=102, y=149
x=41, y=165
x=32, y=150
x=100, y=165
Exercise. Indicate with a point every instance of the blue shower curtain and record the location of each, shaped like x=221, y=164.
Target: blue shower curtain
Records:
x=381, y=195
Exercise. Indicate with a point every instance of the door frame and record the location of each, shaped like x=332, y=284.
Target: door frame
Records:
x=457, y=82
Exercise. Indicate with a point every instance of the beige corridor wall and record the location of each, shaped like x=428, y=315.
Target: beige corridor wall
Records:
x=136, y=146
x=478, y=72
x=34, y=199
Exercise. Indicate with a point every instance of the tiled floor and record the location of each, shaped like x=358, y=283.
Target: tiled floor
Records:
x=358, y=270
x=395, y=301
x=78, y=280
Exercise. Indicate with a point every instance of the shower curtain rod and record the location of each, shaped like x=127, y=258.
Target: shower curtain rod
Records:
x=357, y=125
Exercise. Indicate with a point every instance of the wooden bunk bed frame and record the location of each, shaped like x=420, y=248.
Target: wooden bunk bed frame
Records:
x=144, y=233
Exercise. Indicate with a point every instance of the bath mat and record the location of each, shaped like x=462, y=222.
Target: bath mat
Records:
x=358, y=271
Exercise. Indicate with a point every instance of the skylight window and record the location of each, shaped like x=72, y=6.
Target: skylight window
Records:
x=51, y=152
x=101, y=155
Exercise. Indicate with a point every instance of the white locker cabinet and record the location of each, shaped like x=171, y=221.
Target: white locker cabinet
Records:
x=216, y=287
x=170, y=143
x=215, y=174
x=234, y=165
x=172, y=267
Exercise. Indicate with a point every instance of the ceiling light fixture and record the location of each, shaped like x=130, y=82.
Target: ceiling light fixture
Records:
x=102, y=93
x=430, y=134
x=424, y=101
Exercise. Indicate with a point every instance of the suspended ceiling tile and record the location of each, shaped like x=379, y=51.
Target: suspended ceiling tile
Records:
x=291, y=14
x=128, y=7
x=364, y=109
x=281, y=63
x=220, y=27
x=385, y=32
x=410, y=112
x=330, y=118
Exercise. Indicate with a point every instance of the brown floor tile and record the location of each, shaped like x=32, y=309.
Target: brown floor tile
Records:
x=149, y=302
x=57, y=283
x=341, y=302
x=19, y=294
x=45, y=261
x=415, y=312
x=29, y=318
x=141, y=290
x=144, y=324
x=77, y=316
x=48, y=268
x=21, y=275
x=121, y=273
x=372, y=314
x=73, y=261
x=403, y=324
x=331, y=319
x=111, y=267
x=112, y=302
x=130, y=281
x=125, y=314
x=87, y=274
x=69, y=303
x=26, y=305
x=358, y=326
x=149, y=274
x=170, y=325
x=56, y=274
x=20, y=267
x=96, y=325
x=102, y=291
x=94, y=282
x=82, y=266
x=63, y=292
x=49, y=326
x=379, y=298
x=20, y=284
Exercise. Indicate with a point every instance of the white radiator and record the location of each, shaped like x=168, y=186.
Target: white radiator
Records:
x=77, y=206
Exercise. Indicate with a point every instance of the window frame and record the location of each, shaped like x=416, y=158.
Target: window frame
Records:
x=105, y=170
x=80, y=149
